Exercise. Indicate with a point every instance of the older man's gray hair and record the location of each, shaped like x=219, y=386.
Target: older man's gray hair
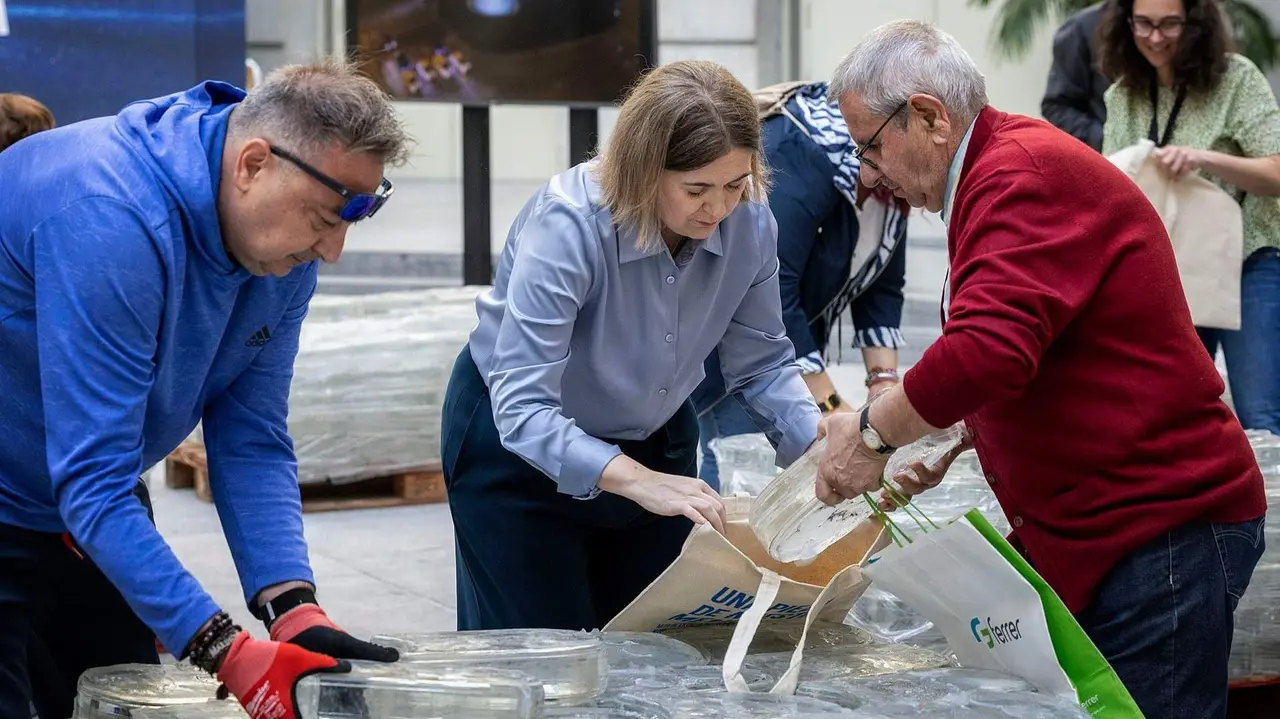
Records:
x=311, y=108
x=905, y=57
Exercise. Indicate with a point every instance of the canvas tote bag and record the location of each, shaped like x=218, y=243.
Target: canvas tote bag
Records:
x=730, y=578
x=1206, y=227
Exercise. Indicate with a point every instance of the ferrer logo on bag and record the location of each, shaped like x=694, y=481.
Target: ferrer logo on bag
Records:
x=988, y=633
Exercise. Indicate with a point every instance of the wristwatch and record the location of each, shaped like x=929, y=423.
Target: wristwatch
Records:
x=870, y=436
x=830, y=403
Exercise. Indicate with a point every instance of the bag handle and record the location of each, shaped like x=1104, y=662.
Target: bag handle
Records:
x=745, y=631
x=749, y=624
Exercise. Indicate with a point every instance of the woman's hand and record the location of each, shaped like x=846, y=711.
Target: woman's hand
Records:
x=667, y=495
x=1178, y=161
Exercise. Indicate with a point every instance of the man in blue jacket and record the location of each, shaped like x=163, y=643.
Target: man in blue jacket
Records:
x=155, y=269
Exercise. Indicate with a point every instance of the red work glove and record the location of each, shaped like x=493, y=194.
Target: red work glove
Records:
x=264, y=675
x=307, y=626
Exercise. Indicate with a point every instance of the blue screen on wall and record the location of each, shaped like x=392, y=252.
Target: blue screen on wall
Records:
x=87, y=58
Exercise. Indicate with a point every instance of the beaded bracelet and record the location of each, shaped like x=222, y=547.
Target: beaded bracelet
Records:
x=209, y=646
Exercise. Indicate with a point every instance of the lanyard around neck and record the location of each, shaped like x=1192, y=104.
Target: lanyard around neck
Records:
x=1153, y=133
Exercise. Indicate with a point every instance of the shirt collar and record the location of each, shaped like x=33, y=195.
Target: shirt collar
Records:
x=629, y=250
x=953, y=173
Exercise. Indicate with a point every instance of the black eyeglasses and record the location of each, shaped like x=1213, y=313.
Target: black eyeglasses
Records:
x=359, y=205
x=863, y=150
x=1170, y=27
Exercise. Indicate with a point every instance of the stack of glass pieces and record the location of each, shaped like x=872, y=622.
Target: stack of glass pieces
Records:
x=790, y=522
x=571, y=666
x=229, y=709
x=406, y=691
x=118, y=691
x=644, y=650
x=749, y=706
x=694, y=679
x=852, y=661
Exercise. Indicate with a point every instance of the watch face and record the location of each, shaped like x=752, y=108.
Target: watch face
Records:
x=871, y=438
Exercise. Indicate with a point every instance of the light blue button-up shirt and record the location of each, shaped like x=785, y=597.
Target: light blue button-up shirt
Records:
x=585, y=336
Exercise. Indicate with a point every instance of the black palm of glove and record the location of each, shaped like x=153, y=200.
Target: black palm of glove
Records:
x=308, y=627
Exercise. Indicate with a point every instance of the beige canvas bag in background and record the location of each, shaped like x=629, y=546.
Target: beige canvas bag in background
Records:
x=1207, y=230
x=730, y=578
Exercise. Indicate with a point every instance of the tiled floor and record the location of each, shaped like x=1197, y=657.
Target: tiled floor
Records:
x=378, y=570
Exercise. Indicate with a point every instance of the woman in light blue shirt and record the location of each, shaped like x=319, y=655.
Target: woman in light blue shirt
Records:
x=569, y=444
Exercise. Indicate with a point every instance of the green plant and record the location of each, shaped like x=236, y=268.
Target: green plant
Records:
x=1018, y=21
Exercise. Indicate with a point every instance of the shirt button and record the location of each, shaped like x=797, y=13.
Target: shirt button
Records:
x=671, y=279
x=662, y=393
x=1017, y=522
x=670, y=337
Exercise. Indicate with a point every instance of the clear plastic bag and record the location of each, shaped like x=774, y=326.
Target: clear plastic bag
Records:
x=746, y=463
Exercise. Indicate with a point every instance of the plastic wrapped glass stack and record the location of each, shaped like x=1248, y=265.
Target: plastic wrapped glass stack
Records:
x=745, y=462
x=952, y=693
x=112, y=692
x=408, y=691
x=369, y=380
x=570, y=666
x=227, y=709
x=507, y=675
x=1255, y=649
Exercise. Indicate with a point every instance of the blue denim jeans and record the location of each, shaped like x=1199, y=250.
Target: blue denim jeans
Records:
x=1253, y=351
x=1164, y=617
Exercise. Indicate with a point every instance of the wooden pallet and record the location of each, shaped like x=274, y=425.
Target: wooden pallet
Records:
x=187, y=468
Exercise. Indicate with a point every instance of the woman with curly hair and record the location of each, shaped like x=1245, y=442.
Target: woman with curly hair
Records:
x=1208, y=110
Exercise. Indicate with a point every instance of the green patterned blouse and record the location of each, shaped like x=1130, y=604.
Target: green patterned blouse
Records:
x=1239, y=117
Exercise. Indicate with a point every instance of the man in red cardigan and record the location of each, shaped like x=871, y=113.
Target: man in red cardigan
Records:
x=1069, y=352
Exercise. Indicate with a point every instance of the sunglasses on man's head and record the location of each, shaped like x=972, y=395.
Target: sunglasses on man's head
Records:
x=359, y=205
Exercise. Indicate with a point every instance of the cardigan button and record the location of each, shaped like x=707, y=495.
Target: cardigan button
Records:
x=991, y=477
x=1017, y=522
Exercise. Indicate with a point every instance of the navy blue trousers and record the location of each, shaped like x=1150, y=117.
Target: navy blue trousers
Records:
x=531, y=557
x=1164, y=617
x=59, y=615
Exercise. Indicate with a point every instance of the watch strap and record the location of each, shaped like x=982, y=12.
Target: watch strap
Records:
x=270, y=611
x=830, y=403
x=864, y=424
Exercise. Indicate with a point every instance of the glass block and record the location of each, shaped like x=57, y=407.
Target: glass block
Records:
x=406, y=691
x=570, y=665
x=117, y=691
x=639, y=650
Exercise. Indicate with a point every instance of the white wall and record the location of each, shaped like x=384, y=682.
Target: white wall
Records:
x=532, y=143
x=830, y=28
